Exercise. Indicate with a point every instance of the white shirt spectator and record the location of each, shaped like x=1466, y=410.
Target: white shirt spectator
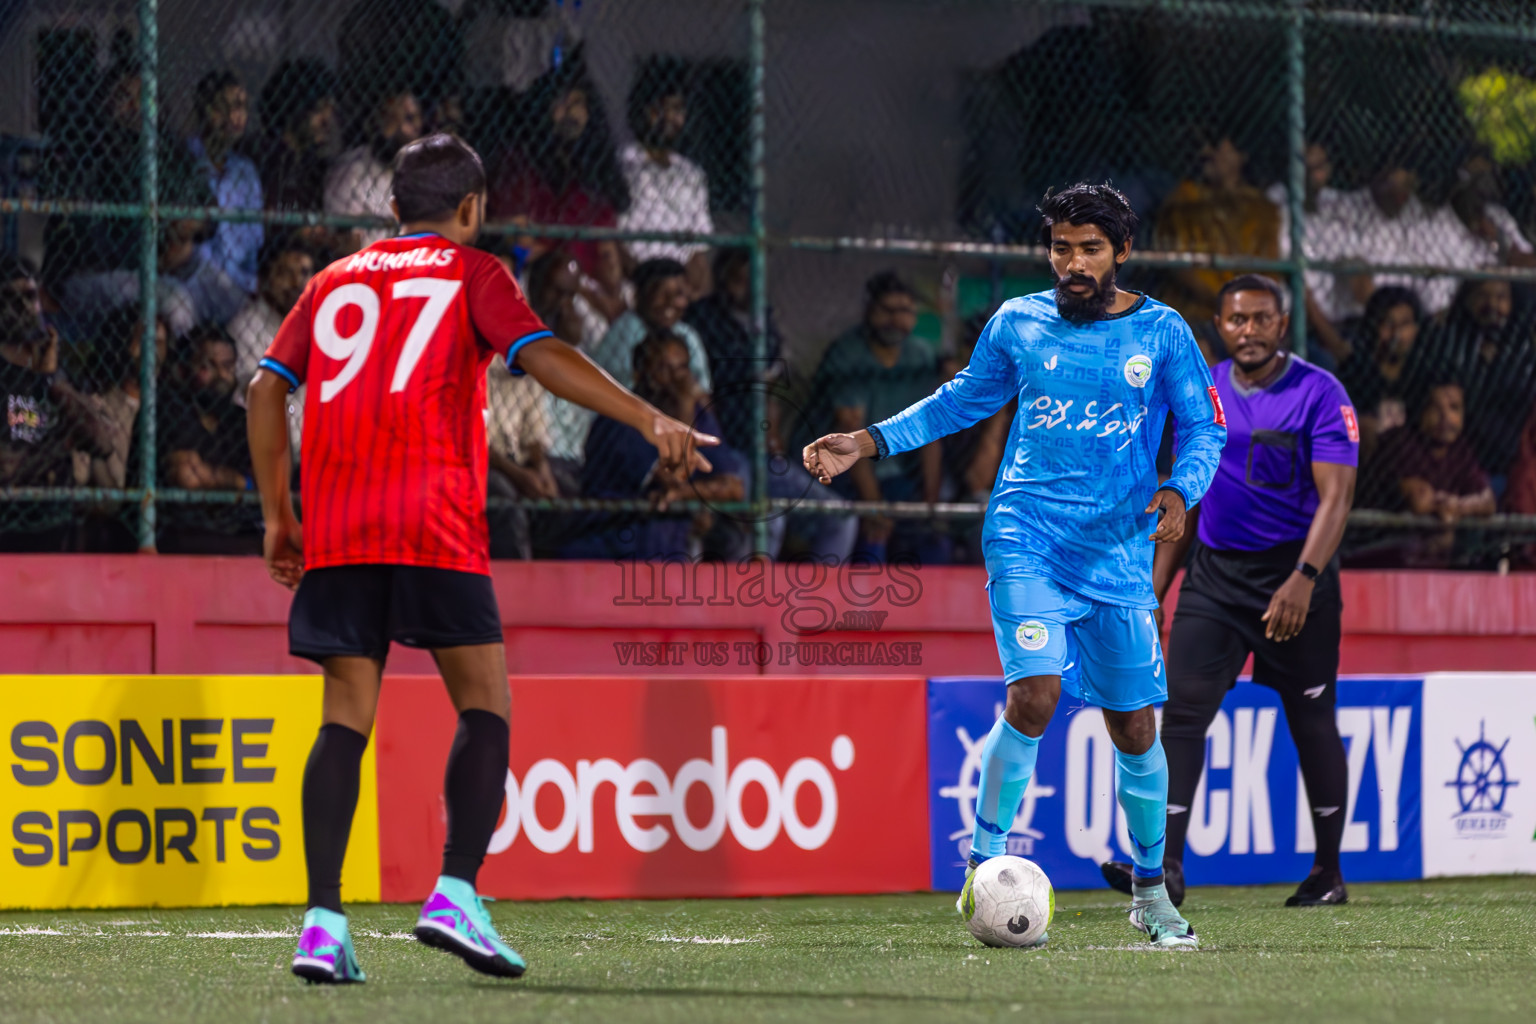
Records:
x=1353, y=227
x=359, y=185
x=1321, y=238
x=674, y=197
x=516, y=413
x=253, y=329
x=1508, y=228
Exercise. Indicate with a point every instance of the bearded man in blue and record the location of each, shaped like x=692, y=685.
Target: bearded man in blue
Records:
x=1069, y=531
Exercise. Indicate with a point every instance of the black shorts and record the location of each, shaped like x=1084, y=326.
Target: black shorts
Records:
x=356, y=610
x=1211, y=639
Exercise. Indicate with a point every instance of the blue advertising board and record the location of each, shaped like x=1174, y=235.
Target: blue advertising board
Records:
x=1250, y=822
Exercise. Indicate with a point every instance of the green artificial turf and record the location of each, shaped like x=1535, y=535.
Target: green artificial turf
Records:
x=1461, y=951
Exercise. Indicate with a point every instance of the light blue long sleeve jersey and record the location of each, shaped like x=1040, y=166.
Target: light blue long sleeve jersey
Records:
x=1081, y=460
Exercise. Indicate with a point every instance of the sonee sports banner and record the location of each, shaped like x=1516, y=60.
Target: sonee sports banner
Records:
x=163, y=791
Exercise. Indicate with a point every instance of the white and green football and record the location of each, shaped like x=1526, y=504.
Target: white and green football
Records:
x=1011, y=903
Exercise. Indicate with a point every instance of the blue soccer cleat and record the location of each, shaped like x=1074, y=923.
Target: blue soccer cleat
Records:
x=454, y=919
x=325, y=954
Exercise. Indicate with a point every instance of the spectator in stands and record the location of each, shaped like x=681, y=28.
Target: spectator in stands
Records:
x=221, y=107
x=359, y=183
x=619, y=465
x=212, y=297
x=1386, y=370
x=285, y=266
x=92, y=263
x=564, y=169
x=1486, y=341
x=1321, y=240
x=1218, y=212
x=668, y=192
x=1388, y=223
x=1479, y=201
x=510, y=43
x=387, y=47
x=46, y=417
x=518, y=434
x=603, y=295
x=121, y=348
x=105, y=528
x=203, y=447
x=723, y=320
x=870, y=372
x=298, y=109
x=1520, y=497
x=661, y=298
x=1435, y=472
x=552, y=288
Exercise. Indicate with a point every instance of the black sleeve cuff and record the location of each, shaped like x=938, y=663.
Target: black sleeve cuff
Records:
x=882, y=450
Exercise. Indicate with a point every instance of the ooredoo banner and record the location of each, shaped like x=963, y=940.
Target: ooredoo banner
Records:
x=672, y=787
x=127, y=791
x=1250, y=822
x=1479, y=773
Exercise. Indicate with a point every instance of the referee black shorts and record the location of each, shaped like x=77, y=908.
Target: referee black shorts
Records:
x=1211, y=641
x=357, y=610
x=1219, y=622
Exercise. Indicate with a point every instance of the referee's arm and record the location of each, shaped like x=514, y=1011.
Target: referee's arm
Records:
x=1287, y=611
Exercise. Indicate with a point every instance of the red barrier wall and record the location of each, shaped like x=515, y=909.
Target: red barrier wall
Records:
x=137, y=614
x=672, y=786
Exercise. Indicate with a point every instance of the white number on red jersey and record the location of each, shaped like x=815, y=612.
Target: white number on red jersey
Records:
x=354, y=348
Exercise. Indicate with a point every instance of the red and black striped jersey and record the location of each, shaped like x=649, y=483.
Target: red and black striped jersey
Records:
x=393, y=344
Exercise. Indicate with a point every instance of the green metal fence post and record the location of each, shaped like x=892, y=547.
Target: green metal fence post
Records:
x=757, y=55
x=149, y=254
x=1296, y=83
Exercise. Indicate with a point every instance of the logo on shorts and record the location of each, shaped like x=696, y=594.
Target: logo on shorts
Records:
x=1138, y=370
x=1032, y=635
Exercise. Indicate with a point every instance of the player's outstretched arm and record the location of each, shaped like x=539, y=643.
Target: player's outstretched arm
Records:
x=267, y=431
x=570, y=375
x=832, y=454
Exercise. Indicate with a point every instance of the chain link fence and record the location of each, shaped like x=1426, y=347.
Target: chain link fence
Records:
x=775, y=217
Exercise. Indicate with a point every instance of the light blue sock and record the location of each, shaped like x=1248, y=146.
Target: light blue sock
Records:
x=1141, y=783
x=1007, y=762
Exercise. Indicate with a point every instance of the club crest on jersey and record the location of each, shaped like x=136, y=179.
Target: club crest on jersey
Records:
x=1032, y=635
x=1138, y=371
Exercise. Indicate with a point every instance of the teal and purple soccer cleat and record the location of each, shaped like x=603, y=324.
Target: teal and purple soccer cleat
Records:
x=454, y=919
x=325, y=950
x=1153, y=913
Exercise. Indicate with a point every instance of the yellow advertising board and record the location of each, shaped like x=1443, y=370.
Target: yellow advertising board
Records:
x=164, y=791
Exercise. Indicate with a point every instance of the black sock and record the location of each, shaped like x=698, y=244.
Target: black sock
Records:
x=1325, y=770
x=331, y=779
x=474, y=786
x=1184, y=726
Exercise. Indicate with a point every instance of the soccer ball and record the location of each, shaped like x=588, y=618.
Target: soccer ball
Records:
x=1011, y=902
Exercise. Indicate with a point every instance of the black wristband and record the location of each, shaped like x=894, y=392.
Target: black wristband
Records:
x=882, y=450
x=1311, y=572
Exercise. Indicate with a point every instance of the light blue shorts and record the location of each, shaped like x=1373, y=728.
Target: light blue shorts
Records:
x=1107, y=655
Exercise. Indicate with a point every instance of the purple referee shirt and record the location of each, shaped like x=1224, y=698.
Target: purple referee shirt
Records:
x=1263, y=493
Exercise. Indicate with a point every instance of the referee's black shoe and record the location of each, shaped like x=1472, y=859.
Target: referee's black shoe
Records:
x=1120, y=878
x=1321, y=889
